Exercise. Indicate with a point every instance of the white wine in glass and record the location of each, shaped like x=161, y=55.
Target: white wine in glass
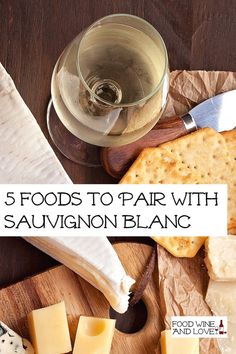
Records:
x=109, y=87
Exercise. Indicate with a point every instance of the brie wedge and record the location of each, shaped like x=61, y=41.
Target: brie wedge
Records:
x=12, y=343
x=26, y=157
x=95, y=260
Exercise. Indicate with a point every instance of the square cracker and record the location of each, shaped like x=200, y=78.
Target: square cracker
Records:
x=201, y=157
x=205, y=152
x=181, y=246
x=157, y=165
x=230, y=139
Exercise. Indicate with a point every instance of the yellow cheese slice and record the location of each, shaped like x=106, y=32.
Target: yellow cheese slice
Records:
x=49, y=330
x=175, y=345
x=94, y=335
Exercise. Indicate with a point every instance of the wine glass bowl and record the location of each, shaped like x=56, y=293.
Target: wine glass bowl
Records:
x=109, y=86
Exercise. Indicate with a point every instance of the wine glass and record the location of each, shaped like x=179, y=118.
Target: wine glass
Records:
x=109, y=87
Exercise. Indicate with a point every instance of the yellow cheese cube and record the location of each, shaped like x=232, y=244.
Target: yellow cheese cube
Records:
x=174, y=345
x=94, y=335
x=49, y=330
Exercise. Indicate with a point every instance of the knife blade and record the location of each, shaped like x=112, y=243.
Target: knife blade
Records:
x=218, y=112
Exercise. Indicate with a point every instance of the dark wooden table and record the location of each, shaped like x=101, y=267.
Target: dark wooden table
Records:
x=199, y=34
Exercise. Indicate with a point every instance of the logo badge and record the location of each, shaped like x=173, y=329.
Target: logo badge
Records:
x=199, y=326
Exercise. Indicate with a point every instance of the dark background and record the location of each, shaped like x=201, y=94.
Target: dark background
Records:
x=198, y=34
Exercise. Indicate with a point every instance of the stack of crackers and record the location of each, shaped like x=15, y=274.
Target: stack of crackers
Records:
x=204, y=156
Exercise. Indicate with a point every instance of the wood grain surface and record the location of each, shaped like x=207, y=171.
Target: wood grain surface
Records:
x=81, y=298
x=199, y=34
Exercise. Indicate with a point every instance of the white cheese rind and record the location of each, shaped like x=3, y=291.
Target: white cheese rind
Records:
x=221, y=258
x=95, y=260
x=12, y=343
x=26, y=157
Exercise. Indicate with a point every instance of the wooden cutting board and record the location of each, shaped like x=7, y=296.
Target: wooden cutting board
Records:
x=81, y=298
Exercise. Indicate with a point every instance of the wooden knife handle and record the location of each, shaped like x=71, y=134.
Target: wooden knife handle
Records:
x=117, y=160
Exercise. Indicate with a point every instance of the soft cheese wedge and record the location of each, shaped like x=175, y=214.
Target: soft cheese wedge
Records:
x=95, y=260
x=26, y=157
x=12, y=343
x=221, y=258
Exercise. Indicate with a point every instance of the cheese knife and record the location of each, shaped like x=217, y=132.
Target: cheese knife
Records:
x=218, y=112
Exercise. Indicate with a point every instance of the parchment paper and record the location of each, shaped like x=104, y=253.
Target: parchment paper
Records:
x=182, y=281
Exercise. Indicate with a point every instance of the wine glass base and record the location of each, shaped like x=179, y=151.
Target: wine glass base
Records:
x=68, y=144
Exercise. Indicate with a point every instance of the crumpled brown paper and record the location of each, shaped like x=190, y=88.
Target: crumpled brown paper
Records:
x=182, y=285
x=183, y=281
x=188, y=88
